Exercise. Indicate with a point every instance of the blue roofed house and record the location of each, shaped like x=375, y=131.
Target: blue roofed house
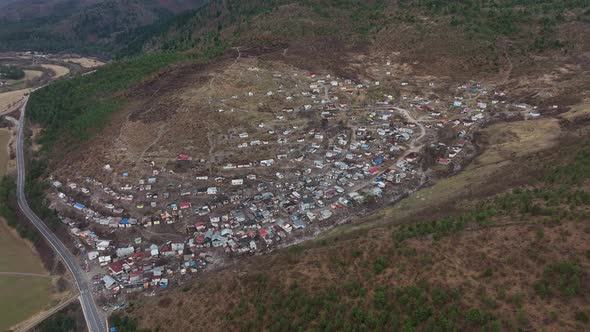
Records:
x=299, y=224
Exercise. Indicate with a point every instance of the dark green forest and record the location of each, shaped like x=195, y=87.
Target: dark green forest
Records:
x=74, y=109
x=11, y=73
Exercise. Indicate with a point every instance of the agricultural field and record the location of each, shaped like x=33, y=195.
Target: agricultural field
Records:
x=85, y=62
x=22, y=296
x=32, y=74
x=10, y=98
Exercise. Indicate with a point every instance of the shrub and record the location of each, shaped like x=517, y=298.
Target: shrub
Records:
x=356, y=252
x=379, y=300
x=379, y=264
x=475, y=316
x=563, y=277
x=581, y=316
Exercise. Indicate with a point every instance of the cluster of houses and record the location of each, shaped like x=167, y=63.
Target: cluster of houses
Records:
x=135, y=267
x=307, y=179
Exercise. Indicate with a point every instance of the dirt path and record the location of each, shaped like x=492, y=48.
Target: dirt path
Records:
x=211, y=148
x=161, y=130
x=25, y=274
x=414, y=146
x=505, y=74
x=215, y=76
x=165, y=234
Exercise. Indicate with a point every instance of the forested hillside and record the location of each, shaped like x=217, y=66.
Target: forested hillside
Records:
x=363, y=20
x=89, y=26
x=76, y=108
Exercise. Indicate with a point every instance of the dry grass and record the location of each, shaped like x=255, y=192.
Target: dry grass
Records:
x=58, y=71
x=85, y=62
x=29, y=76
x=515, y=139
x=32, y=74
x=577, y=112
x=8, y=99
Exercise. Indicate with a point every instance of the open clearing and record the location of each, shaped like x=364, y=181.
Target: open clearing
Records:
x=59, y=71
x=29, y=76
x=85, y=62
x=17, y=255
x=8, y=99
x=23, y=296
x=32, y=74
x=582, y=110
x=507, y=141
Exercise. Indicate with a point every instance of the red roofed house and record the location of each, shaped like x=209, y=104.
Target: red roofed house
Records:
x=444, y=161
x=116, y=268
x=262, y=232
x=183, y=157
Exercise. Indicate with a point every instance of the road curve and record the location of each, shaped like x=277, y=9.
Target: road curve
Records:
x=94, y=320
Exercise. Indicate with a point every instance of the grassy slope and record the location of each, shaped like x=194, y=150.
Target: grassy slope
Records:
x=22, y=297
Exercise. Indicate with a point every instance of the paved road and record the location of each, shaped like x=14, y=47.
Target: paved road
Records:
x=94, y=320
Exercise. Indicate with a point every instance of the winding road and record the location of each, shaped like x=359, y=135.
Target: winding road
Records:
x=415, y=144
x=94, y=319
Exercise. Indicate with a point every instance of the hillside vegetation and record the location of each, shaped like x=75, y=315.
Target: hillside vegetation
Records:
x=354, y=22
x=480, y=31
x=87, y=26
x=81, y=105
x=11, y=73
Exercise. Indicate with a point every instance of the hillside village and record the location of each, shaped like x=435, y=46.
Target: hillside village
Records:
x=328, y=154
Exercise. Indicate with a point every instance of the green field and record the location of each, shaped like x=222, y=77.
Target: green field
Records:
x=22, y=296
